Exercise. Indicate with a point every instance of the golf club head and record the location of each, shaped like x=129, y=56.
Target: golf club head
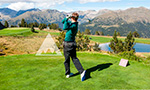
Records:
x=69, y=16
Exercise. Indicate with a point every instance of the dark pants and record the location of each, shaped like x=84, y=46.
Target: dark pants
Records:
x=70, y=51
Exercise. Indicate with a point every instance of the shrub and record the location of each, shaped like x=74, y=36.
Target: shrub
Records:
x=148, y=58
x=60, y=40
x=129, y=55
x=13, y=26
x=81, y=40
x=96, y=47
x=136, y=34
x=53, y=26
x=3, y=48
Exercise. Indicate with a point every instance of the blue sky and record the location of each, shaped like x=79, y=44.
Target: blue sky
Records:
x=73, y=5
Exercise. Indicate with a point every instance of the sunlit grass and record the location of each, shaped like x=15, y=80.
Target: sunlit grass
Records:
x=30, y=72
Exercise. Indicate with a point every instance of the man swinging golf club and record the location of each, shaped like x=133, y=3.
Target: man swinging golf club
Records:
x=69, y=45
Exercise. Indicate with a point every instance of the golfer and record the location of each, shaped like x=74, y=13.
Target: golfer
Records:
x=69, y=45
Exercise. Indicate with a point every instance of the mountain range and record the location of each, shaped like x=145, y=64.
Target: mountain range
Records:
x=7, y=13
x=45, y=16
x=123, y=21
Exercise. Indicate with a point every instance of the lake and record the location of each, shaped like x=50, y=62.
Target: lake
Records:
x=139, y=47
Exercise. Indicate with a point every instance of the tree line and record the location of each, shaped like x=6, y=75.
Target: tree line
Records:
x=101, y=33
x=41, y=26
x=124, y=48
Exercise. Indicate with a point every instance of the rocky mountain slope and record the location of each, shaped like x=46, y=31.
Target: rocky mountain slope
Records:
x=7, y=13
x=132, y=19
x=44, y=16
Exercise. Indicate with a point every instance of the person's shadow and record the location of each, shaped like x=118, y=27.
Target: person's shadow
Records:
x=98, y=67
x=92, y=69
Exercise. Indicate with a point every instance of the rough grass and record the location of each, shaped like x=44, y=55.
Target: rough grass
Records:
x=28, y=72
x=25, y=43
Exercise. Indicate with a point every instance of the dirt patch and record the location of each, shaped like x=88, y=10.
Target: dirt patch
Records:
x=143, y=55
x=22, y=45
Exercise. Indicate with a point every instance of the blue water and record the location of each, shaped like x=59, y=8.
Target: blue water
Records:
x=139, y=47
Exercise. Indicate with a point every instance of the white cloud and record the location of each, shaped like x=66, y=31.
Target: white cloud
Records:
x=36, y=1
x=86, y=1
x=53, y=1
x=27, y=4
x=21, y=6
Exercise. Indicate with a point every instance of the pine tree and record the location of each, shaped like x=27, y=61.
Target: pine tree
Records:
x=96, y=33
x=87, y=31
x=23, y=23
x=49, y=25
x=40, y=26
x=54, y=26
x=118, y=34
x=96, y=47
x=6, y=24
x=101, y=33
x=136, y=34
x=129, y=42
x=36, y=24
x=115, y=44
x=32, y=28
x=26, y=25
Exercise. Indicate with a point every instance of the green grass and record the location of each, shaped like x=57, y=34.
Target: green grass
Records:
x=15, y=31
x=30, y=72
x=24, y=32
x=142, y=40
x=100, y=39
x=54, y=33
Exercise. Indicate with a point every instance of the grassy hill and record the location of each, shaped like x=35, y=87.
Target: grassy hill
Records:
x=36, y=72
